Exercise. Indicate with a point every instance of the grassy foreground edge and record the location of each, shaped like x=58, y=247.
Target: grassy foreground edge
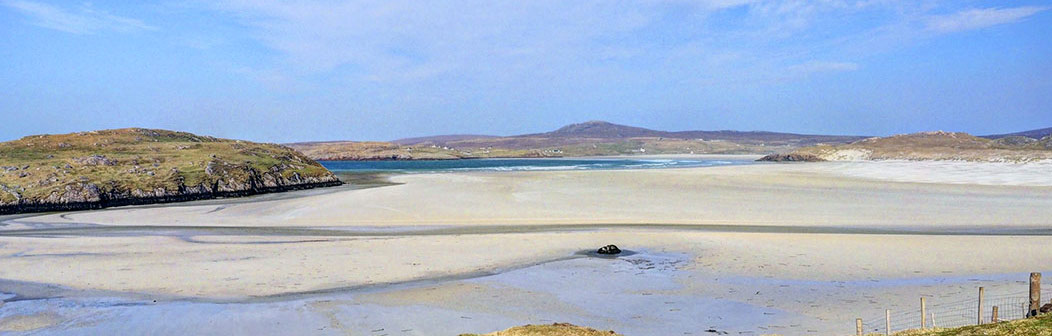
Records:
x=1040, y=326
x=557, y=329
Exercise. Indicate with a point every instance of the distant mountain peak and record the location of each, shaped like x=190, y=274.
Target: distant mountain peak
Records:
x=603, y=129
x=589, y=124
x=1035, y=134
x=594, y=131
x=598, y=122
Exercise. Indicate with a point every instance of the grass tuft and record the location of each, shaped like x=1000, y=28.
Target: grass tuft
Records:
x=557, y=329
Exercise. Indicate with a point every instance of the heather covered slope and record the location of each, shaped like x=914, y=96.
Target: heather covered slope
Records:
x=932, y=146
x=136, y=166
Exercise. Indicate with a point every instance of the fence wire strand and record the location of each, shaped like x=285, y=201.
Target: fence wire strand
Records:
x=953, y=314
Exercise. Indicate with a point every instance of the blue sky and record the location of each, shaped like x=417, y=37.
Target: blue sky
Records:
x=379, y=70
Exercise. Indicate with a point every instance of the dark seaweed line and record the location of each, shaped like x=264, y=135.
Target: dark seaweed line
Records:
x=149, y=230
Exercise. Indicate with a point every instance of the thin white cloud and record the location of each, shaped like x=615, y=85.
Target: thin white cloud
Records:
x=813, y=67
x=82, y=20
x=720, y=4
x=480, y=44
x=401, y=39
x=980, y=18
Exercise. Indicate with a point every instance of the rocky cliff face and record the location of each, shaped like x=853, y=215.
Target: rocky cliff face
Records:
x=80, y=196
x=122, y=167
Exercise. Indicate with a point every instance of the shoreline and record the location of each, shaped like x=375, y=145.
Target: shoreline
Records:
x=757, y=156
x=622, y=156
x=347, y=181
x=74, y=230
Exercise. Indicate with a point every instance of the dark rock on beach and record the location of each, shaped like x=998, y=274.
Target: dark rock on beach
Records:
x=609, y=249
x=792, y=157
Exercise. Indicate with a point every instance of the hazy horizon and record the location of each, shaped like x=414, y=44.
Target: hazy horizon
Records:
x=319, y=71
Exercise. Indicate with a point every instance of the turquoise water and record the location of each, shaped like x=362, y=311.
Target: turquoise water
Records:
x=523, y=164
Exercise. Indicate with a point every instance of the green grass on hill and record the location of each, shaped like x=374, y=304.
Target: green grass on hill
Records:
x=1041, y=326
x=36, y=168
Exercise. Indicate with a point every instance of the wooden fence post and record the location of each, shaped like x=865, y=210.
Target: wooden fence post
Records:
x=924, y=315
x=858, y=326
x=1035, y=294
x=887, y=322
x=979, y=314
x=993, y=316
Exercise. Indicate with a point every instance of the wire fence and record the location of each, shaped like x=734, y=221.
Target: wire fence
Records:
x=952, y=314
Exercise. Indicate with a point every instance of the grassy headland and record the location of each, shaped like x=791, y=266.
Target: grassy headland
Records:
x=929, y=146
x=134, y=166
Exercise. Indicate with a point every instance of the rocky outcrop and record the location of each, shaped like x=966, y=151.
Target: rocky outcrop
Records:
x=83, y=196
x=94, y=160
x=792, y=157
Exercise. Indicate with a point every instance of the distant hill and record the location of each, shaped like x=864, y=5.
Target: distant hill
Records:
x=441, y=138
x=1033, y=134
x=928, y=146
x=599, y=138
x=137, y=166
x=591, y=138
x=598, y=130
x=373, y=150
x=605, y=132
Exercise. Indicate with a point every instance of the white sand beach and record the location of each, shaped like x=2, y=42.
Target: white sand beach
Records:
x=866, y=194
x=769, y=248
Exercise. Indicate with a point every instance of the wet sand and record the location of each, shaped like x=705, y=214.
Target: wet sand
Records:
x=754, y=249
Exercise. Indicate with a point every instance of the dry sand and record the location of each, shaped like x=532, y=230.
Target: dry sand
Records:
x=824, y=194
x=791, y=282
x=223, y=268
